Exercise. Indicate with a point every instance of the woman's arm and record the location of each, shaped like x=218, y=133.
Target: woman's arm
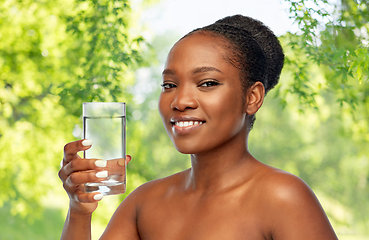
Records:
x=74, y=173
x=77, y=227
x=123, y=224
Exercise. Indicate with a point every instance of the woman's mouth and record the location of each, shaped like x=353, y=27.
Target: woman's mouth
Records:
x=187, y=123
x=183, y=125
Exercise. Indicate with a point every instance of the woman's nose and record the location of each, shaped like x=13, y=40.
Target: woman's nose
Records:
x=184, y=99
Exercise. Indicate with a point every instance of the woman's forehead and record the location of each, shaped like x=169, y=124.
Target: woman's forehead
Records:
x=198, y=48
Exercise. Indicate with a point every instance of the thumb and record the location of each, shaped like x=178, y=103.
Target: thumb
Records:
x=128, y=158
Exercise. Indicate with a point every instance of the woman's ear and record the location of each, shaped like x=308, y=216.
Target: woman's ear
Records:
x=254, y=98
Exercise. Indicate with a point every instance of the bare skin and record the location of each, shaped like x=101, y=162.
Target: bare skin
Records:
x=227, y=193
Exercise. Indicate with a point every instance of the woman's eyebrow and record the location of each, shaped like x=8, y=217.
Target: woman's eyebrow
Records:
x=195, y=71
x=205, y=69
x=168, y=72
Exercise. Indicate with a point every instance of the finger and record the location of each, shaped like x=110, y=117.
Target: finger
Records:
x=84, y=197
x=128, y=158
x=124, y=161
x=80, y=164
x=71, y=149
x=116, y=170
x=63, y=162
x=78, y=178
x=84, y=165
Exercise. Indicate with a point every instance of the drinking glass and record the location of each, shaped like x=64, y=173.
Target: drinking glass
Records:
x=105, y=125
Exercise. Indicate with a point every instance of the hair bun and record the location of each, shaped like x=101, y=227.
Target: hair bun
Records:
x=268, y=42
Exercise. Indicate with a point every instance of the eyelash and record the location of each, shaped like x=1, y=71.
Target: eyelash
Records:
x=167, y=85
x=172, y=85
x=211, y=82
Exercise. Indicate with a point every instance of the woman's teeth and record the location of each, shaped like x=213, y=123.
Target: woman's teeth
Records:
x=187, y=123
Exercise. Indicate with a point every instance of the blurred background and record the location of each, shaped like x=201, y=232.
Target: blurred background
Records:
x=55, y=55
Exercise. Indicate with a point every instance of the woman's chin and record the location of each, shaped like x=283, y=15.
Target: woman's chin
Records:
x=184, y=150
x=189, y=149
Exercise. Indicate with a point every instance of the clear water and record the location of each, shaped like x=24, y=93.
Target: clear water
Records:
x=108, y=135
x=108, y=187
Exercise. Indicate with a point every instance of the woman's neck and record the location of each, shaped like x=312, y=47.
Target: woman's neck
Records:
x=219, y=169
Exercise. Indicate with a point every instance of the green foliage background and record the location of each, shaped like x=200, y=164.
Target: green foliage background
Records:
x=54, y=55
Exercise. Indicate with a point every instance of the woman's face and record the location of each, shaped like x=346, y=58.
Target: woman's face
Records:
x=201, y=103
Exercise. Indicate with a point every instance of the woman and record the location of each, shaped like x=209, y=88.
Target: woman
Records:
x=214, y=82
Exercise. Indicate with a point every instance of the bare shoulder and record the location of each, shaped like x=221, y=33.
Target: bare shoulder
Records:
x=152, y=190
x=285, y=187
x=292, y=209
x=157, y=188
x=123, y=224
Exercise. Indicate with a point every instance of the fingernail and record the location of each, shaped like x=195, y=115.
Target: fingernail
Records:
x=122, y=162
x=102, y=174
x=98, y=196
x=100, y=163
x=87, y=142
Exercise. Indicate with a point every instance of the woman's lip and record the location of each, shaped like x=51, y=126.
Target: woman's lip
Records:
x=184, y=130
x=185, y=119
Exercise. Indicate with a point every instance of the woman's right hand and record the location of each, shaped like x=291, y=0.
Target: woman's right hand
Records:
x=75, y=172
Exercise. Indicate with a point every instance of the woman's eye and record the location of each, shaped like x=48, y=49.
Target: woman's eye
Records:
x=167, y=85
x=209, y=84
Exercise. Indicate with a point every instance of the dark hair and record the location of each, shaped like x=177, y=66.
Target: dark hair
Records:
x=253, y=48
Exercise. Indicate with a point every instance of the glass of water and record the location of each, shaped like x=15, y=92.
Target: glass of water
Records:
x=105, y=125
